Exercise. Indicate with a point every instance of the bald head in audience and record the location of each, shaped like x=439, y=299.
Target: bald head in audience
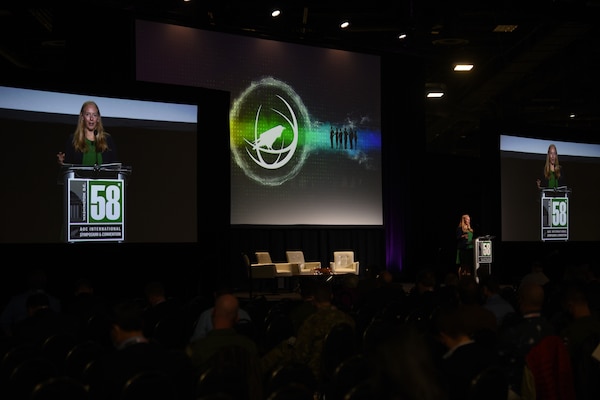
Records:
x=225, y=313
x=531, y=297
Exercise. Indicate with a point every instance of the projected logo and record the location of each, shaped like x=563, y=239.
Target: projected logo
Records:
x=269, y=132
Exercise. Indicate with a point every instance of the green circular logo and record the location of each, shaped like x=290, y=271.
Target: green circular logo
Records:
x=269, y=125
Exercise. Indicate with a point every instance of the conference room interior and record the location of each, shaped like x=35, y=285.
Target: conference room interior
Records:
x=424, y=191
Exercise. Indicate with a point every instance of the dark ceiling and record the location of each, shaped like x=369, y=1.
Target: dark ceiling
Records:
x=538, y=74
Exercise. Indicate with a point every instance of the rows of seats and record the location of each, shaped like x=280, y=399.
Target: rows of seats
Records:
x=394, y=341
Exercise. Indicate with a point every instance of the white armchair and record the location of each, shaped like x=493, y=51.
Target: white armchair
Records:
x=282, y=270
x=299, y=265
x=343, y=263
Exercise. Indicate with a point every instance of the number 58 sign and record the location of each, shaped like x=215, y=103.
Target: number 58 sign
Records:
x=105, y=201
x=96, y=210
x=484, y=251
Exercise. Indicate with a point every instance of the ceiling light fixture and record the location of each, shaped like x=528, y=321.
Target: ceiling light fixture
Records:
x=435, y=95
x=463, y=67
x=276, y=13
x=345, y=24
x=505, y=28
x=435, y=90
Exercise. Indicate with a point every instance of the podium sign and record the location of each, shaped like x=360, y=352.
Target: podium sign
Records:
x=555, y=214
x=483, y=251
x=95, y=204
x=96, y=210
x=483, y=255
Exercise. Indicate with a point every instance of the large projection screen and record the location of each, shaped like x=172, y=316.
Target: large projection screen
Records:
x=157, y=139
x=305, y=124
x=522, y=161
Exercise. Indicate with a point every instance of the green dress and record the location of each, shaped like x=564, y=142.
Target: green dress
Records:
x=469, y=246
x=552, y=180
x=90, y=157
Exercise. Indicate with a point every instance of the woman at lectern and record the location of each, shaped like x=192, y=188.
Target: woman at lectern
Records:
x=553, y=172
x=90, y=144
x=464, y=245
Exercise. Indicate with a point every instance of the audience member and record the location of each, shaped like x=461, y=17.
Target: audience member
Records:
x=518, y=337
x=307, y=346
x=405, y=367
x=448, y=290
x=536, y=275
x=224, y=351
x=133, y=353
x=307, y=306
x=581, y=336
x=85, y=304
x=204, y=323
x=593, y=287
x=583, y=323
x=479, y=319
x=225, y=315
x=346, y=295
x=586, y=275
x=16, y=309
x=465, y=358
x=43, y=322
x=423, y=295
x=376, y=294
x=493, y=301
x=168, y=311
x=386, y=290
x=370, y=280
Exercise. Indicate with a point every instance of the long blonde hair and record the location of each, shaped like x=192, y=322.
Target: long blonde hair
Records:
x=463, y=224
x=79, y=135
x=547, y=170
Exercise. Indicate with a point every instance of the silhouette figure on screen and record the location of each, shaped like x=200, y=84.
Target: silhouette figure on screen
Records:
x=90, y=144
x=331, y=135
x=345, y=138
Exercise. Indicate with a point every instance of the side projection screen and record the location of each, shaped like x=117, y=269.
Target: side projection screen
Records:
x=305, y=129
x=156, y=139
x=562, y=210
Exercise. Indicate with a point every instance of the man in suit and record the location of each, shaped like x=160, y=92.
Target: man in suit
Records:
x=465, y=358
x=133, y=353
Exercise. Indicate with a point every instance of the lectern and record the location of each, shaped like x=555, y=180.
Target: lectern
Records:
x=483, y=255
x=555, y=213
x=94, y=202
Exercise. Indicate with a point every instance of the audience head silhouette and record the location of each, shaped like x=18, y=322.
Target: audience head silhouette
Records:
x=531, y=298
x=127, y=322
x=225, y=312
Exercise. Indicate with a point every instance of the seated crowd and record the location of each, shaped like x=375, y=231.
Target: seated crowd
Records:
x=345, y=338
